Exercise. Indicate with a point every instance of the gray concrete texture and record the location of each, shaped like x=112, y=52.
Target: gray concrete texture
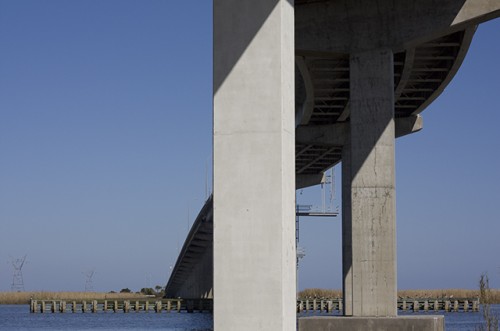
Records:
x=254, y=183
x=401, y=323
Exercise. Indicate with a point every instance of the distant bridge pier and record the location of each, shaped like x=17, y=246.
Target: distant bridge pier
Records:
x=254, y=166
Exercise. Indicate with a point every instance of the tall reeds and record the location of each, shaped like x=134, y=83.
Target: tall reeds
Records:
x=490, y=319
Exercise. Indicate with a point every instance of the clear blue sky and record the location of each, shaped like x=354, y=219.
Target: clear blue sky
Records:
x=105, y=134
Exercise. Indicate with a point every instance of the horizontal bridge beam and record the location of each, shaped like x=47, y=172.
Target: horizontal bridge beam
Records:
x=336, y=134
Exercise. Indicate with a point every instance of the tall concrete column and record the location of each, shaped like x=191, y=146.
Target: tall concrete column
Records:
x=254, y=165
x=373, y=220
x=346, y=227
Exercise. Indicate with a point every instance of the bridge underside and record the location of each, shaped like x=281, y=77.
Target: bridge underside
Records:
x=297, y=89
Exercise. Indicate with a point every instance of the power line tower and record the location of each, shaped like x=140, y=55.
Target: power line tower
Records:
x=17, y=274
x=89, y=286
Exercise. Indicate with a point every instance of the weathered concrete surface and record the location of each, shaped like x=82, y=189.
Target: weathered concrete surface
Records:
x=400, y=323
x=347, y=26
x=372, y=278
x=254, y=174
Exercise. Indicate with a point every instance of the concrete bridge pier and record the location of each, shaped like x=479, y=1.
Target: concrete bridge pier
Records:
x=370, y=250
x=369, y=207
x=254, y=166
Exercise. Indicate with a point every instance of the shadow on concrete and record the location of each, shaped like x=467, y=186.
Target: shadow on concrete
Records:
x=227, y=49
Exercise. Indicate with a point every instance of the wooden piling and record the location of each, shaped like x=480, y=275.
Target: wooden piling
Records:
x=158, y=306
x=53, y=307
x=466, y=306
x=436, y=305
x=426, y=306
x=403, y=306
x=84, y=306
x=73, y=306
x=455, y=306
x=475, y=305
x=126, y=306
x=416, y=306
x=330, y=306
x=447, y=305
x=178, y=306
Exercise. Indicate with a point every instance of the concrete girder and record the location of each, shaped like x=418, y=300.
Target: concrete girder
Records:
x=302, y=181
x=346, y=26
x=337, y=134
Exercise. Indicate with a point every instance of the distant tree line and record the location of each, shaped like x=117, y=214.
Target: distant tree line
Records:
x=158, y=291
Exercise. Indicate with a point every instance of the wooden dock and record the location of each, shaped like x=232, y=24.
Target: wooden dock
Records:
x=206, y=305
x=411, y=305
x=125, y=306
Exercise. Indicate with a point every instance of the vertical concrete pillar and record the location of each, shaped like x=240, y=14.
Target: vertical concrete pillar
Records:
x=346, y=228
x=254, y=165
x=373, y=222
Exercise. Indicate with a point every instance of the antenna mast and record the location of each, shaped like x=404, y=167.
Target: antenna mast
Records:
x=89, y=286
x=17, y=275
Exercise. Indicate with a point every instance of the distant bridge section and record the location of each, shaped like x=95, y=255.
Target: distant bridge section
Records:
x=192, y=275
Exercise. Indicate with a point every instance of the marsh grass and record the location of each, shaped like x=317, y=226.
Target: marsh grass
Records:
x=493, y=295
x=490, y=319
x=18, y=298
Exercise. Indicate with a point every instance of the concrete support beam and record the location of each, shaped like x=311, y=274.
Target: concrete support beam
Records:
x=337, y=134
x=302, y=181
x=370, y=280
x=254, y=168
x=408, y=125
x=474, y=12
x=347, y=26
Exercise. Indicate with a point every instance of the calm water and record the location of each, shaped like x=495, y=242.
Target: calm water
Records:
x=17, y=318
